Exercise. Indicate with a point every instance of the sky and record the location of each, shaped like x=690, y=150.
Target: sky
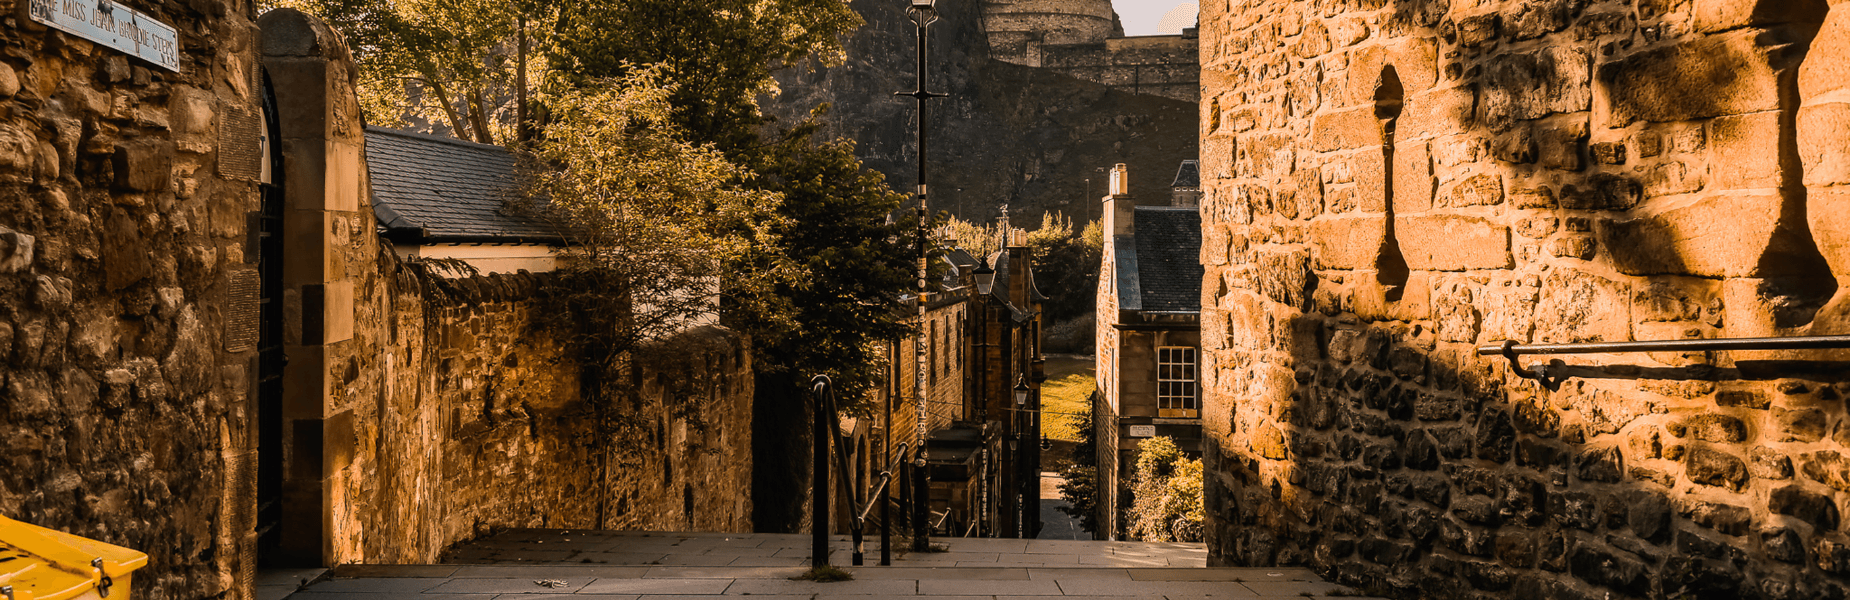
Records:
x=1145, y=17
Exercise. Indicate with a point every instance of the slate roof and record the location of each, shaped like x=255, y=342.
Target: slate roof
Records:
x=1169, y=258
x=429, y=189
x=1188, y=176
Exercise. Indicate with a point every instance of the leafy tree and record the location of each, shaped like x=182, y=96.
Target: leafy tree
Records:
x=450, y=61
x=653, y=238
x=1065, y=266
x=722, y=52
x=1080, y=478
x=848, y=263
x=1165, y=494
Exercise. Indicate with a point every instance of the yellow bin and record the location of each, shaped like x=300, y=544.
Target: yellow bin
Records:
x=41, y=564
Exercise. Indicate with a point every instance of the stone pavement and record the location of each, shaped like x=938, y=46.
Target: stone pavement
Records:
x=666, y=566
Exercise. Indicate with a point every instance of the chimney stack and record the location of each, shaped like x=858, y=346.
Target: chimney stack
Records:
x=1120, y=208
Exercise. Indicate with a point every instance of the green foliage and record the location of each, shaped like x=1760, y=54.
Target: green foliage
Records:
x=451, y=61
x=848, y=265
x=1080, y=488
x=1065, y=267
x=647, y=244
x=722, y=52
x=979, y=240
x=1166, y=494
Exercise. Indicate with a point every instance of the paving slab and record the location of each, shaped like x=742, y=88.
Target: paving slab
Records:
x=723, y=572
x=550, y=571
x=1051, y=573
x=1081, y=587
x=524, y=585
x=1296, y=588
x=953, y=573
x=965, y=588
x=657, y=586
x=858, y=587
x=384, y=585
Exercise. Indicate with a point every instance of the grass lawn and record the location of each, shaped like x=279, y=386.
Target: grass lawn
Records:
x=1068, y=390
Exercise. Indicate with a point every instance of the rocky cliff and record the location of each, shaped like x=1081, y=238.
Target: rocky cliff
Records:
x=1022, y=136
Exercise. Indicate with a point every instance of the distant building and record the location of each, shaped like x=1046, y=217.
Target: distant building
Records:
x=1149, y=335
x=982, y=447
x=443, y=198
x=1083, y=39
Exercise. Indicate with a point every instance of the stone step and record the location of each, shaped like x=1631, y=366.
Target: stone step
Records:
x=659, y=566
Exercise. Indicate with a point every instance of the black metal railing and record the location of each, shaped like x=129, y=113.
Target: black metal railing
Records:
x=827, y=428
x=1514, y=351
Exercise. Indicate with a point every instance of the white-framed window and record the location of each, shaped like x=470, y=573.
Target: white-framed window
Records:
x=1177, y=395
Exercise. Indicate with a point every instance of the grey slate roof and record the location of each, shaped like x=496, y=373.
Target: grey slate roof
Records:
x=1188, y=176
x=1169, y=258
x=429, y=189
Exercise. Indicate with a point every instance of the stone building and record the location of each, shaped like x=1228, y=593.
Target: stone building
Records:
x=982, y=448
x=208, y=353
x=1390, y=184
x=1083, y=39
x=1149, y=338
x=440, y=198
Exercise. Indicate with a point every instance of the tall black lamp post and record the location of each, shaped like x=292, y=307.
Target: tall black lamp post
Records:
x=1023, y=474
x=923, y=14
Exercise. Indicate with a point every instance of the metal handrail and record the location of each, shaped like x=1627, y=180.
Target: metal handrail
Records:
x=1513, y=351
x=886, y=476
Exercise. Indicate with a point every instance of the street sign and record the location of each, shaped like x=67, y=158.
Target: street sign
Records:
x=115, y=26
x=1140, y=431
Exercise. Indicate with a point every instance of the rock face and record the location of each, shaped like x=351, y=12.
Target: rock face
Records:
x=1465, y=173
x=1028, y=137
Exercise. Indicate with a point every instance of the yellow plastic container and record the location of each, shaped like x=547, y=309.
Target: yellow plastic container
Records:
x=41, y=564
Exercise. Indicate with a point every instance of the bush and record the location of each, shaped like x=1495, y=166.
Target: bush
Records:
x=1166, y=494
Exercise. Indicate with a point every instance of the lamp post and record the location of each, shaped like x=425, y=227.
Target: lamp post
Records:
x=923, y=13
x=1024, y=477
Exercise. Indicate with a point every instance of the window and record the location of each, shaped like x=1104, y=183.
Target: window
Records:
x=1176, y=395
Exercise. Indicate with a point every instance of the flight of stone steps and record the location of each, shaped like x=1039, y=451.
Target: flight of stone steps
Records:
x=613, y=565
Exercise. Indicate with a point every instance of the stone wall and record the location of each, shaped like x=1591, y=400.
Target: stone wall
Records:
x=1163, y=65
x=1391, y=183
x=122, y=410
x=412, y=412
x=480, y=422
x=1033, y=139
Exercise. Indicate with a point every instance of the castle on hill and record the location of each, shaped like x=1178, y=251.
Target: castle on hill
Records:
x=1085, y=39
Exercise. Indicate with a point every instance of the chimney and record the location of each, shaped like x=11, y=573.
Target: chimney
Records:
x=1186, y=191
x=1120, y=208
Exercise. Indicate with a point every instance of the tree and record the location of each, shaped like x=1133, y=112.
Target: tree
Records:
x=1165, y=494
x=1079, y=485
x=722, y=52
x=451, y=61
x=1066, y=267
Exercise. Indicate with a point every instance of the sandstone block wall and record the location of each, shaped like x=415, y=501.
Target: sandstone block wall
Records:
x=417, y=411
x=1390, y=183
x=122, y=411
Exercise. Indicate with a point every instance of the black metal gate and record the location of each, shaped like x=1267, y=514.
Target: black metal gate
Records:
x=267, y=226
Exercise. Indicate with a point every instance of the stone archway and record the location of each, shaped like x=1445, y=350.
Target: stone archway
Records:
x=1824, y=148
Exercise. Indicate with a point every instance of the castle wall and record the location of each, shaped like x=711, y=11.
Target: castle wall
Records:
x=1391, y=183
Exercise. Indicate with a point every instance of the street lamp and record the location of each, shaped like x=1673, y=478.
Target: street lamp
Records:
x=923, y=13
x=985, y=279
x=1021, y=390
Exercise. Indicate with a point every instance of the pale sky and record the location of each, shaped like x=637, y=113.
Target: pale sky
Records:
x=1145, y=17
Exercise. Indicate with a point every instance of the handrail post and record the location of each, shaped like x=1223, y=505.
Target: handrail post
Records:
x=819, y=523
x=886, y=522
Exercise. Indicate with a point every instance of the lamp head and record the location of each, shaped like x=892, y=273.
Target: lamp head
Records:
x=923, y=12
x=985, y=279
x=1021, y=391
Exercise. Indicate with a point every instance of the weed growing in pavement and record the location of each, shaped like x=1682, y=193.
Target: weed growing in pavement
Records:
x=824, y=574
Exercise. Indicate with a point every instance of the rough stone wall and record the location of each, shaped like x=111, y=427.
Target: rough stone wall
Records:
x=480, y=422
x=419, y=412
x=122, y=414
x=1393, y=182
x=1156, y=65
x=1030, y=138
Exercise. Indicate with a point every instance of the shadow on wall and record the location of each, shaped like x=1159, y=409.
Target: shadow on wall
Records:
x=1544, y=192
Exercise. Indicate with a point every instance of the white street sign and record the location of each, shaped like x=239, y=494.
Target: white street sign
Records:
x=115, y=26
